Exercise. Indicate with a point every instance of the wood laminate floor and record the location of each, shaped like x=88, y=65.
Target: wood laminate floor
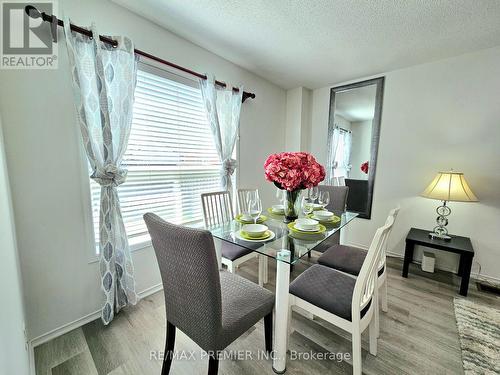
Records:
x=418, y=336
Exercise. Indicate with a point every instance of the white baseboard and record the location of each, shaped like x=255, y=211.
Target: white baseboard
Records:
x=151, y=290
x=359, y=246
x=73, y=325
x=473, y=275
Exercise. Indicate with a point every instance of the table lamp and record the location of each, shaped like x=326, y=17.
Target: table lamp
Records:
x=446, y=187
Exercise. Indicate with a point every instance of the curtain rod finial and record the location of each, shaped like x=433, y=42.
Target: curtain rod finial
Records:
x=32, y=11
x=247, y=95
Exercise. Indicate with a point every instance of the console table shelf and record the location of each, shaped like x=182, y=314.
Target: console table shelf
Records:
x=457, y=244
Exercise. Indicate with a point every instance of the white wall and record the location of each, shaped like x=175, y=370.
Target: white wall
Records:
x=298, y=119
x=293, y=119
x=435, y=116
x=48, y=177
x=341, y=122
x=361, y=132
x=13, y=353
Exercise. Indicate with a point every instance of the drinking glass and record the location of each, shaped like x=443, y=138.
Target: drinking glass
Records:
x=255, y=209
x=313, y=193
x=280, y=195
x=324, y=198
x=307, y=205
x=251, y=195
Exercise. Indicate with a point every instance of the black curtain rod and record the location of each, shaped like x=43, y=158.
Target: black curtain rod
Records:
x=345, y=130
x=32, y=12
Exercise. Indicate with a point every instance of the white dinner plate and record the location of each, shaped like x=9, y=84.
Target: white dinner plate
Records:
x=323, y=220
x=240, y=237
x=299, y=227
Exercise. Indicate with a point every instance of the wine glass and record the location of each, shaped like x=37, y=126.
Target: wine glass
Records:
x=280, y=195
x=255, y=208
x=324, y=198
x=251, y=195
x=313, y=193
x=307, y=205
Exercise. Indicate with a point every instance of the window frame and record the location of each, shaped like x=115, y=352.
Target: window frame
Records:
x=94, y=256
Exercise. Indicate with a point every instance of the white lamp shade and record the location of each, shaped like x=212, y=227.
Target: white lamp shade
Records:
x=449, y=186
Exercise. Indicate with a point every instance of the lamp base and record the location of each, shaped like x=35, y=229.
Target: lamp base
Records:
x=440, y=232
x=438, y=236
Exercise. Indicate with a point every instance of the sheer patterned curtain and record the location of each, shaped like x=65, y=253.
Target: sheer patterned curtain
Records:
x=331, y=163
x=104, y=79
x=223, y=107
x=347, y=152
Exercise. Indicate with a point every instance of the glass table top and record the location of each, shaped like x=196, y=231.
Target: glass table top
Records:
x=298, y=244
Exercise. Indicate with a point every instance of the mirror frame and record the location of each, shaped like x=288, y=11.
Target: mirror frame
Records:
x=379, y=82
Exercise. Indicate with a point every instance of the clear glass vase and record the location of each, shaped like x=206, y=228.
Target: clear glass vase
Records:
x=292, y=205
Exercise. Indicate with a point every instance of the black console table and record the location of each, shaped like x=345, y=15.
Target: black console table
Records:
x=457, y=244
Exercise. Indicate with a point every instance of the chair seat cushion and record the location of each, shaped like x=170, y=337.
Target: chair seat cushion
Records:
x=244, y=303
x=347, y=259
x=327, y=289
x=232, y=252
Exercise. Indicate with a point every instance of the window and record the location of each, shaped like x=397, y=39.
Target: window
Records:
x=171, y=157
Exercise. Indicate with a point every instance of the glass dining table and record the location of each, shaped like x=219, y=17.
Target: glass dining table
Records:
x=287, y=248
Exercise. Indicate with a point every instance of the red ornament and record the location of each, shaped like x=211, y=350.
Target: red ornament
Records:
x=364, y=167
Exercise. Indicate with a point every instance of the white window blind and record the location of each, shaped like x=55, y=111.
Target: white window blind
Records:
x=171, y=157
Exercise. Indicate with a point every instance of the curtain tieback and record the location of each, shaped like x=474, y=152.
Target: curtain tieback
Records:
x=229, y=166
x=109, y=175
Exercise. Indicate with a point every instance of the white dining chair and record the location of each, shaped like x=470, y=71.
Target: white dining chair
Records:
x=242, y=199
x=217, y=210
x=346, y=302
x=350, y=260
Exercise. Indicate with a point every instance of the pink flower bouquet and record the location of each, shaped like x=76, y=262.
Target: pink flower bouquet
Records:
x=293, y=171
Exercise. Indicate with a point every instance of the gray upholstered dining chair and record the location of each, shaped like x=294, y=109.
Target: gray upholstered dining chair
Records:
x=210, y=306
x=338, y=202
x=350, y=259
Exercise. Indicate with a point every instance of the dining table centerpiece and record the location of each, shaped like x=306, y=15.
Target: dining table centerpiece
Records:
x=293, y=172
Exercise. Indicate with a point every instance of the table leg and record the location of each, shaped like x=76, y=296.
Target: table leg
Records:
x=467, y=266
x=408, y=257
x=461, y=265
x=266, y=270
x=281, y=311
x=261, y=269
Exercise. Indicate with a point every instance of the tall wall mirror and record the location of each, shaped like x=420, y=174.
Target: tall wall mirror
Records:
x=353, y=137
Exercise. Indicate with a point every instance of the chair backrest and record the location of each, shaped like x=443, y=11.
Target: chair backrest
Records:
x=217, y=207
x=341, y=181
x=366, y=281
x=242, y=199
x=190, y=276
x=358, y=193
x=393, y=214
x=338, y=197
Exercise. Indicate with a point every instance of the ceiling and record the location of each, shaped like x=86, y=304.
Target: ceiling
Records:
x=313, y=43
x=357, y=104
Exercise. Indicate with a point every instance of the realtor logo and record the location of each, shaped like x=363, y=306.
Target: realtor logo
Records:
x=26, y=42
